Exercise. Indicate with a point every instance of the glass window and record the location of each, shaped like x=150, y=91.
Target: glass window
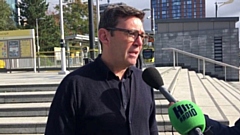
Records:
x=164, y=16
x=164, y=4
x=176, y=3
x=164, y=1
x=176, y=7
x=12, y=4
x=189, y=2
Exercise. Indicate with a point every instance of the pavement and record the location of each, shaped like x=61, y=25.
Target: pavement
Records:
x=24, y=78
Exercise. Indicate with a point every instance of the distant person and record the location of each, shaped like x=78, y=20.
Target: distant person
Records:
x=108, y=95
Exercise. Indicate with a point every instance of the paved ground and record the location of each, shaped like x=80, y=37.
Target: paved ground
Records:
x=17, y=78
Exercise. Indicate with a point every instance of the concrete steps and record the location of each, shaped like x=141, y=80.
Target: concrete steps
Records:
x=29, y=88
x=24, y=108
x=169, y=78
x=26, y=97
x=227, y=98
x=22, y=125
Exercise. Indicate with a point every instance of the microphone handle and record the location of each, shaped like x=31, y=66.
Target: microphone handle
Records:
x=195, y=131
x=167, y=95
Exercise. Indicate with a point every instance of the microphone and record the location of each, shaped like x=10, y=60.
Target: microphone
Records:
x=152, y=77
x=185, y=116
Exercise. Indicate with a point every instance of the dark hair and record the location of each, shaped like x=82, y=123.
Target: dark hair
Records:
x=109, y=18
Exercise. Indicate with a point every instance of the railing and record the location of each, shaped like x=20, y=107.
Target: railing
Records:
x=45, y=62
x=204, y=60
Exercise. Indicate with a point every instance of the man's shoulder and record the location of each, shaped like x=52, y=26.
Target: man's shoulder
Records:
x=84, y=71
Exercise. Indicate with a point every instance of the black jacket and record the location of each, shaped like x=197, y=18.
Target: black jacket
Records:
x=216, y=128
x=87, y=102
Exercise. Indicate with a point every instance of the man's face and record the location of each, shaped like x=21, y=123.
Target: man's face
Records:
x=124, y=47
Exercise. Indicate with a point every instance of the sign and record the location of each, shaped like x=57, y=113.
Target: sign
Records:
x=57, y=53
x=15, y=44
x=13, y=49
x=16, y=34
x=3, y=49
x=26, y=47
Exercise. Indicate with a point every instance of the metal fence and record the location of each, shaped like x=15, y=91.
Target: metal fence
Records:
x=44, y=62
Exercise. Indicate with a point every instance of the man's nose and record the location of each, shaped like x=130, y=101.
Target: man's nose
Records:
x=139, y=41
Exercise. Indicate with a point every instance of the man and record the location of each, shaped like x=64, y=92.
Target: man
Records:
x=107, y=96
x=216, y=128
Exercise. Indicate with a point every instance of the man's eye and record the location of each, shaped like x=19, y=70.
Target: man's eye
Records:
x=132, y=33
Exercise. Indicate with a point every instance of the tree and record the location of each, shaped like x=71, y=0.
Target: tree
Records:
x=49, y=34
x=75, y=18
x=6, y=22
x=35, y=13
x=30, y=11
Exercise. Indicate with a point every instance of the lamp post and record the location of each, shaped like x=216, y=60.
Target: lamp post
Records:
x=62, y=41
x=38, y=46
x=98, y=19
x=221, y=4
x=152, y=18
x=91, y=29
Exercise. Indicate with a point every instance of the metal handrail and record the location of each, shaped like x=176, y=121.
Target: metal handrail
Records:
x=204, y=59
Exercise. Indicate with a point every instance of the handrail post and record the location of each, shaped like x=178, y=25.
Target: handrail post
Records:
x=174, y=60
x=176, y=52
x=198, y=65
x=177, y=58
x=204, y=69
x=225, y=73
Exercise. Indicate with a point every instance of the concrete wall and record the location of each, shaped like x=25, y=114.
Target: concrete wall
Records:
x=198, y=38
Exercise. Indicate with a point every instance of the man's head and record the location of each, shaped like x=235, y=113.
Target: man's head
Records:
x=121, y=34
x=109, y=17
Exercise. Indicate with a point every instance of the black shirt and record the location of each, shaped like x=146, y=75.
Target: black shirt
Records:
x=90, y=101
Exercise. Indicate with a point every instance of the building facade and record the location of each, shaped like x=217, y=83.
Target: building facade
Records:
x=213, y=38
x=12, y=4
x=177, y=9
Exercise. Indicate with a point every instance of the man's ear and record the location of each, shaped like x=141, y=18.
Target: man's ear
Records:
x=103, y=36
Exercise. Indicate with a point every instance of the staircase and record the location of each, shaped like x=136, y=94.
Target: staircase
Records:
x=24, y=108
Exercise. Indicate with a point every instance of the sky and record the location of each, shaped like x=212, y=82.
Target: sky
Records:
x=228, y=10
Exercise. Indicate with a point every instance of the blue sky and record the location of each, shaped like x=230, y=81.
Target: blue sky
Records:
x=228, y=10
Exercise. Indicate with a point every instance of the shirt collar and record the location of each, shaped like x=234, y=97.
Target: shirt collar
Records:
x=107, y=73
